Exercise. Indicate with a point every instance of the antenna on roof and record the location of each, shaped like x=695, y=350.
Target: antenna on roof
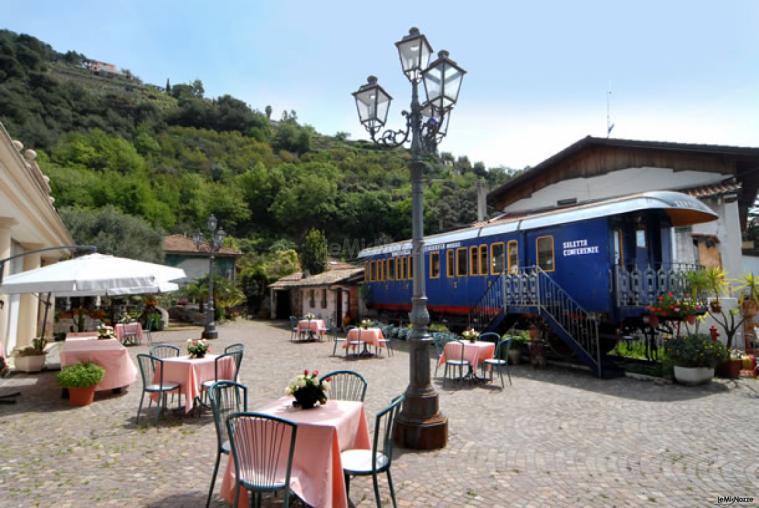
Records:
x=609, y=125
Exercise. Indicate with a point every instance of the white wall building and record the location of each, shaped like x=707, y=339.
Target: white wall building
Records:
x=28, y=221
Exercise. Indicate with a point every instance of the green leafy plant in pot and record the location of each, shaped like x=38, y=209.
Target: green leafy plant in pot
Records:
x=694, y=357
x=80, y=381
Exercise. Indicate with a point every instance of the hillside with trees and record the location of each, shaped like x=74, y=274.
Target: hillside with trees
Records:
x=167, y=157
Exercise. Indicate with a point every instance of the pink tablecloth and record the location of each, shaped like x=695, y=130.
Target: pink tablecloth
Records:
x=370, y=336
x=190, y=373
x=474, y=352
x=82, y=335
x=123, y=329
x=113, y=357
x=314, y=325
x=323, y=432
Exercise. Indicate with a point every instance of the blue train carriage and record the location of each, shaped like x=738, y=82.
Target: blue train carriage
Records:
x=586, y=270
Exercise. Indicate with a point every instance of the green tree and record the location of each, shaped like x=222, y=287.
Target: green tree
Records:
x=313, y=254
x=114, y=232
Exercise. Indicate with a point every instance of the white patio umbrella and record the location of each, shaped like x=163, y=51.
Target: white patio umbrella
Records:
x=95, y=275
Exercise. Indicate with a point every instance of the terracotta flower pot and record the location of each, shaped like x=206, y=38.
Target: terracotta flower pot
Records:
x=81, y=396
x=731, y=369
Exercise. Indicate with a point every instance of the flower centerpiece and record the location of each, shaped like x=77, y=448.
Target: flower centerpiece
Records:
x=309, y=316
x=105, y=332
x=308, y=390
x=471, y=335
x=366, y=323
x=694, y=357
x=197, y=347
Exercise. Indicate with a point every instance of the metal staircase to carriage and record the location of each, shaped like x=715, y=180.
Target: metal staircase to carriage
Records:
x=531, y=290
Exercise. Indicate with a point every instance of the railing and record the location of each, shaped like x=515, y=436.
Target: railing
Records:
x=532, y=286
x=490, y=305
x=639, y=287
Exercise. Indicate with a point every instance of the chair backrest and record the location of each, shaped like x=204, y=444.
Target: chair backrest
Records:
x=502, y=349
x=439, y=341
x=293, y=321
x=235, y=347
x=226, y=397
x=164, y=351
x=346, y=385
x=384, y=427
x=236, y=358
x=262, y=448
x=490, y=337
x=149, y=367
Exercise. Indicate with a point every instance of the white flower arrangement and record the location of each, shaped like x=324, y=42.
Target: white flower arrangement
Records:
x=197, y=348
x=309, y=316
x=366, y=323
x=105, y=332
x=307, y=386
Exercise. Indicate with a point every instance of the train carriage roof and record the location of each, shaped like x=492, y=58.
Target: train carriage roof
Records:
x=683, y=210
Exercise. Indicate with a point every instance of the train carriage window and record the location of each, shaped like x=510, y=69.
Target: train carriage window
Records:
x=450, y=263
x=372, y=271
x=410, y=261
x=640, y=238
x=513, y=256
x=545, y=254
x=497, y=258
x=367, y=273
x=390, y=269
x=461, y=269
x=381, y=270
x=473, y=264
x=483, y=260
x=434, y=265
x=402, y=268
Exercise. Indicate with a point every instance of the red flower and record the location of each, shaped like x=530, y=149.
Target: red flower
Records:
x=305, y=372
x=670, y=293
x=329, y=380
x=316, y=373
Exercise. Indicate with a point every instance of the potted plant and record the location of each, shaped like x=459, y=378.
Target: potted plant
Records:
x=31, y=358
x=519, y=342
x=197, y=347
x=471, y=335
x=308, y=390
x=694, y=357
x=366, y=323
x=105, y=332
x=80, y=380
x=731, y=367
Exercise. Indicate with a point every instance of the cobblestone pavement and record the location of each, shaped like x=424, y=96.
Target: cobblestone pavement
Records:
x=555, y=438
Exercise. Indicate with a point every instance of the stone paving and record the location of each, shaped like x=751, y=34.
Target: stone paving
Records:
x=557, y=437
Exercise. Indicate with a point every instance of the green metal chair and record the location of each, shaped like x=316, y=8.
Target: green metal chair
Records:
x=226, y=397
x=346, y=385
x=499, y=361
x=150, y=369
x=257, y=441
x=379, y=459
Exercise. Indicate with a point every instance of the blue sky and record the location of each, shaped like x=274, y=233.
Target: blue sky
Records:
x=538, y=71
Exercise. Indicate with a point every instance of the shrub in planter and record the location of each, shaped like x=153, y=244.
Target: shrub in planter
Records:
x=80, y=380
x=31, y=358
x=694, y=357
x=520, y=340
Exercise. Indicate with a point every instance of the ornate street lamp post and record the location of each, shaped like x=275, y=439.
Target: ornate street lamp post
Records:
x=420, y=424
x=215, y=242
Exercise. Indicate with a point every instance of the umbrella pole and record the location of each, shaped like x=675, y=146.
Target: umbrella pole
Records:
x=47, y=308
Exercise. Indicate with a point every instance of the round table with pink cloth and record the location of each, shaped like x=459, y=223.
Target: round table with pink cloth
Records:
x=191, y=373
x=474, y=352
x=323, y=432
x=119, y=368
x=315, y=326
x=369, y=336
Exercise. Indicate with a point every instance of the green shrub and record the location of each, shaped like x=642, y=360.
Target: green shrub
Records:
x=695, y=351
x=81, y=375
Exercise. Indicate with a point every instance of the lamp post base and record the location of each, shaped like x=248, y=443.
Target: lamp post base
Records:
x=209, y=334
x=425, y=434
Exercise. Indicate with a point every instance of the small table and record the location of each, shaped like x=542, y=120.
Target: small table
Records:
x=191, y=373
x=368, y=336
x=312, y=327
x=129, y=333
x=323, y=432
x=474, y=352
x=120, y=371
